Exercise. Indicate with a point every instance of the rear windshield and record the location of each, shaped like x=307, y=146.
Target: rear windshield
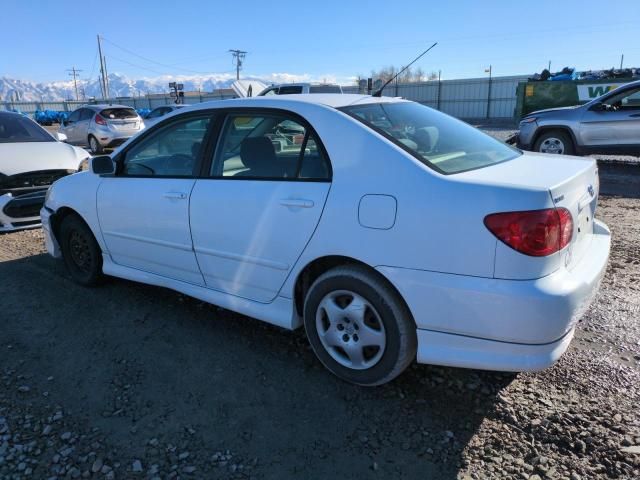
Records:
x=325, y=89
x=118, y=113
x=18, y=129
x=437, y=140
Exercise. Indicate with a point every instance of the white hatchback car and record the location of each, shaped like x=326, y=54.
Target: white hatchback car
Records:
x=388, y=229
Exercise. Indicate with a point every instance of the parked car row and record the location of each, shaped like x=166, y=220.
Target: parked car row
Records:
x=390, y=231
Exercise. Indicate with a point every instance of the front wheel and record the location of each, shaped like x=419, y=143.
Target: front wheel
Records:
x=80, y=251
x=555, y=141
x=358, y=326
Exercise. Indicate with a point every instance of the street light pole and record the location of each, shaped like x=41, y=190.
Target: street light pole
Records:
x=489, y=92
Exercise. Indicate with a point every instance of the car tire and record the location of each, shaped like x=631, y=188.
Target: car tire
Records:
x=367, y=343
x=554, y=141
x=94, y=146
x=80, y=251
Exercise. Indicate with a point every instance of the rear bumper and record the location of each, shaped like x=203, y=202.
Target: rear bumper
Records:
x=467, y=352
x=20, y=211
x=508, y=315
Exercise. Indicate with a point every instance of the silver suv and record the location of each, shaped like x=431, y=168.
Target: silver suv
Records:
x=610, y=124
x=293, y=88
x=101, y=126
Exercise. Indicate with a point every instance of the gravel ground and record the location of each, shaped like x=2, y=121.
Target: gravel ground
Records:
x=133, y=381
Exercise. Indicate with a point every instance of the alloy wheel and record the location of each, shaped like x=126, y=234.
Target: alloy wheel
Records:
x=552, y=145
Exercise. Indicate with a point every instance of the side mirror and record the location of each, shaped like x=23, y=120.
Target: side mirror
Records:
x=103, y=165
x=598, y=107
x=61, y=137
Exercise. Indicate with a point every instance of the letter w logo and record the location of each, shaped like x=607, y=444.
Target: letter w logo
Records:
x=598, y=91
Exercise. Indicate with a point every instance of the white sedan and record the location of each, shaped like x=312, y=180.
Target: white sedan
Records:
x=31, y=159
x=389, y=230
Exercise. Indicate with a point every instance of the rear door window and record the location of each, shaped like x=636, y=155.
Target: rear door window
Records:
x=290, y=90
x=86, y=114
x=325, y=89
x=269, y=147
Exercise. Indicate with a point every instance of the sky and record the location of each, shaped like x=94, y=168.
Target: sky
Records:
x=323, y=40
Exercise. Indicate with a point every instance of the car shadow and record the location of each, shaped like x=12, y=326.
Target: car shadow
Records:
x=126, y=356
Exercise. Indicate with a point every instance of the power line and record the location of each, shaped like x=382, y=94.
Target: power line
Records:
x=142, y=57
x=238, y=60
x=74, y=72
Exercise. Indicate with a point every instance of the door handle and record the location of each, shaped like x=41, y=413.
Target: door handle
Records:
x=296, y=202
x=175, y=195
x=635, y=115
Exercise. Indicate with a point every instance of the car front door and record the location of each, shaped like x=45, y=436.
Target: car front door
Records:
x=144, y=208
x=264, y=195
x=613, y=122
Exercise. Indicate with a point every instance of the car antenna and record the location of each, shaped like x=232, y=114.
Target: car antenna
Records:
x=378, y=93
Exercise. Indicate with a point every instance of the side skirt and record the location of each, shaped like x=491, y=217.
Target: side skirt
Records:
x=280, y=312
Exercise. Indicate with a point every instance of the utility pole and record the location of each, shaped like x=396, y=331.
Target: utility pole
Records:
x=103, y=81
x=238, y=60
x=621, y=60
x=549, y=67
x=489, y=70
x=73, y=72
x=106, y=77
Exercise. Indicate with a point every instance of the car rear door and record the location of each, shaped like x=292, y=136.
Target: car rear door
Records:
x=82, y=126
x=259, y=203
x=144, y=209
x=70, y=126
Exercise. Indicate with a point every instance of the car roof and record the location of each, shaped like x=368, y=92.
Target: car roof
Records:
x=102, y=106
x=335, y=100
x=7, y=113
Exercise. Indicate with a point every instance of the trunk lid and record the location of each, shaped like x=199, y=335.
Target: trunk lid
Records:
x=572, y=183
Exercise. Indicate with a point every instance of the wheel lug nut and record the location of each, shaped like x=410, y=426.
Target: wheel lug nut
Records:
x=340, y=327
x=355, y=325
x=345, y=337
x=355, y=338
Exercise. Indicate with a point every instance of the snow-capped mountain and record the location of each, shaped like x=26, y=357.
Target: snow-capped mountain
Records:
x=122, y=86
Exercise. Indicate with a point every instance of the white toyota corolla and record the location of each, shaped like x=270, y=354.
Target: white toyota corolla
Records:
x=390, y=230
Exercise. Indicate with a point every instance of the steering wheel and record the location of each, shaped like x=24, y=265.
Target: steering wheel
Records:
x=133, y=166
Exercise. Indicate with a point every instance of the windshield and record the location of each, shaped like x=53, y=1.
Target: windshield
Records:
x=19, y=129
x=437, y=140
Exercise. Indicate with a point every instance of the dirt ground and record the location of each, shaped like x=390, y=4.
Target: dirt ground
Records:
x=134, y=381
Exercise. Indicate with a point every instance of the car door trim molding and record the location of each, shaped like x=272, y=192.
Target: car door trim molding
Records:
x=139, y=238
x=243, y=258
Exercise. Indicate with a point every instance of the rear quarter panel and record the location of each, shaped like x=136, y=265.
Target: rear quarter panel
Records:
x=439, y=222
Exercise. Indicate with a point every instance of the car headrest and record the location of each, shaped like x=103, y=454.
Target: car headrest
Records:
x=257, y=153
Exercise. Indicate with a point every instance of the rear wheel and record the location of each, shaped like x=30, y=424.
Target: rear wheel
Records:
x=94, y=145
x=554, y=141
x=80, y=251
x=358, y=326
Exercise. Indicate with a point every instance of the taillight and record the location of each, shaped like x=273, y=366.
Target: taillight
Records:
x=99, y=120
x=534, y=232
